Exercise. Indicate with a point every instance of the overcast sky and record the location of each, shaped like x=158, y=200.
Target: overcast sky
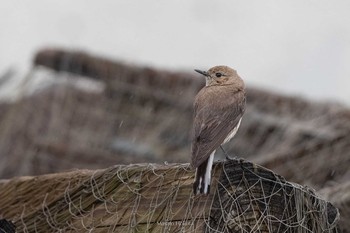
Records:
x=298, y=47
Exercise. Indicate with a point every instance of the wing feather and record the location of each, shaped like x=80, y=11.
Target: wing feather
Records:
x=216, y=113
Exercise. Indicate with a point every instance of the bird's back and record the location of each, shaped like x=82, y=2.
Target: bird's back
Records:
x=217, y=110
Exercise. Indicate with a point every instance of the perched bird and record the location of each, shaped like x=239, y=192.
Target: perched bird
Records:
x=218, y=110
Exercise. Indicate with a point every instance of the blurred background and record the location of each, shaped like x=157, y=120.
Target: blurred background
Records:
x=296, y=47
x=91, y=84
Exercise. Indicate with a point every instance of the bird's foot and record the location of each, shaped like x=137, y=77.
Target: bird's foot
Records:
x=229, y=158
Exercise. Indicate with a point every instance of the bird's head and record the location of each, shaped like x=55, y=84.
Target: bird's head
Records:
x=221, y=75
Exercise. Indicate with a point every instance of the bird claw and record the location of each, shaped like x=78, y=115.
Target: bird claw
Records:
x=229, y=158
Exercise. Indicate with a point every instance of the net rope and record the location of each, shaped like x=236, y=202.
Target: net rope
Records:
x=159, y=198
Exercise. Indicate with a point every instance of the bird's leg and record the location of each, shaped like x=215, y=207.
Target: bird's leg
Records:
x=226, y=155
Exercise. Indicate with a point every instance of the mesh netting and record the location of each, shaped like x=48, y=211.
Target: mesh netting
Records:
x=254, y=199
x=158, y=198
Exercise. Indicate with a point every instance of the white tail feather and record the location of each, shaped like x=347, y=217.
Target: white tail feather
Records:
x=207, y=177
x=203, y=177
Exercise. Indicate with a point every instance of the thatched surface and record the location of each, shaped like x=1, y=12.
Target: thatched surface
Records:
x=101, y=199
x=157, y=198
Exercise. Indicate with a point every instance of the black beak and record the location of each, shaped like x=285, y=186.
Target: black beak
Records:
x=205, y=73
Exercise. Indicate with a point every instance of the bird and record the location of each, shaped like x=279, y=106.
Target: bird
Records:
x=218, y=111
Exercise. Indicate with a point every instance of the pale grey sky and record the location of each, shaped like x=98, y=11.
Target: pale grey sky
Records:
x=298, y=47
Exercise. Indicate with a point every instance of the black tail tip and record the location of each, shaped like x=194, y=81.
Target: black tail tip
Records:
x=200, y=190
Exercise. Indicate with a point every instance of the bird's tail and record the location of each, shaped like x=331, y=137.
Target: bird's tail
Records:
x=201, y=184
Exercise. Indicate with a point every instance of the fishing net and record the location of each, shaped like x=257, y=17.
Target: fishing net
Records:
x=158, y=198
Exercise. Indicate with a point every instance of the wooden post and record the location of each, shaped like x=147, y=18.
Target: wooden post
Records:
x=158, y=198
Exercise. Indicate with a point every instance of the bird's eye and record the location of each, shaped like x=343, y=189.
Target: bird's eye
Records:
x=218, y=75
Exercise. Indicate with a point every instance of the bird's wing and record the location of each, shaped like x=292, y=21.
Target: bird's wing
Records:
x=216, y=114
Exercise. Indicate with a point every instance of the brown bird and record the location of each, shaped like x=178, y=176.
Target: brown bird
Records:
x=218, y=110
